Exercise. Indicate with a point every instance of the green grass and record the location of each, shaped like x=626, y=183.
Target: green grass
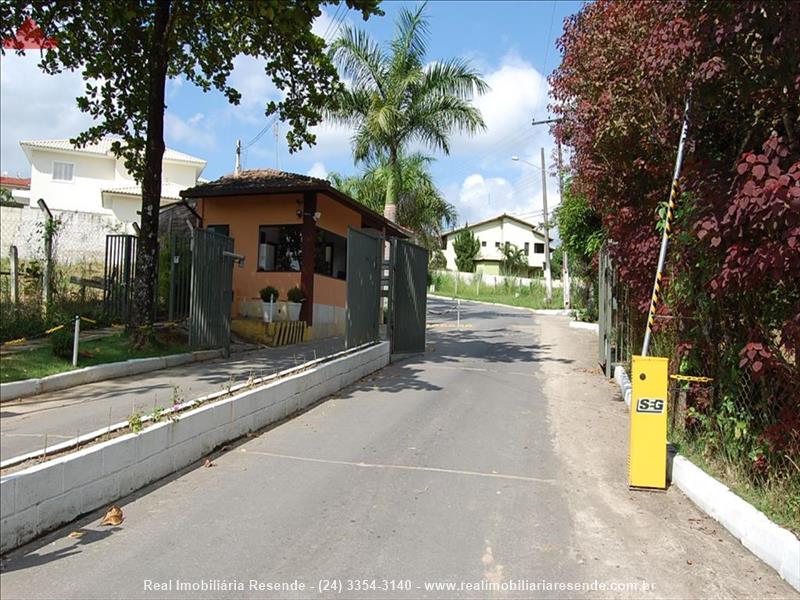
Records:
x=778, y=499
x=529, y=296
x=40, y=362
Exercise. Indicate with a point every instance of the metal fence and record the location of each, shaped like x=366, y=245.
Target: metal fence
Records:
x=364, y=263
x=119, y=275
x=615, y=314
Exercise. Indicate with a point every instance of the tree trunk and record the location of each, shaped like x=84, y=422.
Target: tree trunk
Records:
x=392, y=188
x=147, y=248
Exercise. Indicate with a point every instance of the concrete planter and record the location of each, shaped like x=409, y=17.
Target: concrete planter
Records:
x=44, y=497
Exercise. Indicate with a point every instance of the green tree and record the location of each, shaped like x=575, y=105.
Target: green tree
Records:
x=395, y=100
x=514, y=261
x=580, y=229
x=420, y=205
x=127, y=50
x=466, y=247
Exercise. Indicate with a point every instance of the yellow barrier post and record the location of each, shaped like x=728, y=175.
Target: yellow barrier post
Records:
x=647, y=458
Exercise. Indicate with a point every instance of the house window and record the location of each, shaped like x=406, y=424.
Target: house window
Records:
x=497, y=244
x=331, y=255
x=220, y=229
x=63, y=171
x=280, y=248
x=538, y=248
x=527, y=249
x=483, y=244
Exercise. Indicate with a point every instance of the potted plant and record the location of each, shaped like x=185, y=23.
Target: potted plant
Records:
x=295, y=297
x=269, y=297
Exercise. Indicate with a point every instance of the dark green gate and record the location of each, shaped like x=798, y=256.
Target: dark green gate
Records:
x=211, y=293
x=407, y=296
x=363, y=287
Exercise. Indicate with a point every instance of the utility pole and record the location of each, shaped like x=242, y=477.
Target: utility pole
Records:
x=565, y=281
x=548, y=281
x=238, y=167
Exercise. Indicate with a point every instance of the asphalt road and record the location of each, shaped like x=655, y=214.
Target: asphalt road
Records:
x=496, y=457
x=31, y=423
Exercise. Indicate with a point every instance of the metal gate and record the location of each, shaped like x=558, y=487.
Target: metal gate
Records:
x=179, y=276
x=119, y=276
x=614, y=317
x=211, y=291
x=408, y=296
x=363, y=287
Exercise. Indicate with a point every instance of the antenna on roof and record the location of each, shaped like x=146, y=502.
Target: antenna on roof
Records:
x=238, y=168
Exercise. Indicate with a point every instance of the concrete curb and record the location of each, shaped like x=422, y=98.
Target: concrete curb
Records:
x=558, y=312
x=776, y=546
x=134, y=366
x=43, y=497
x=593, y=327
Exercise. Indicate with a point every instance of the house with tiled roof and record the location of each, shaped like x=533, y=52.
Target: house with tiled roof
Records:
x=292, y=231
x=493, y=235
x=91, y=179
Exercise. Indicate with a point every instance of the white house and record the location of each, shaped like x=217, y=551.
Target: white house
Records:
x=493, y=235
x=93, y=180
x=90, y=193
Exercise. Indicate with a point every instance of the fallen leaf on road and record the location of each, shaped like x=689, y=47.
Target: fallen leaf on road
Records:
x=113, y=516
x=207, y=464
x=76, y=534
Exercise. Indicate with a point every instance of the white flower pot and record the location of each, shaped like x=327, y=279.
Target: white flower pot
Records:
x=268, y=311
x=294, y=310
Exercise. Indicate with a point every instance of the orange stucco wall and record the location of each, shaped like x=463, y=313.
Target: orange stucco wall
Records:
x=244, y=215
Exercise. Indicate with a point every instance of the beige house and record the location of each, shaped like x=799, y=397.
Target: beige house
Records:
x=493, y=234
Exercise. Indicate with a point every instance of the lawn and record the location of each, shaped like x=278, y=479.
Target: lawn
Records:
x=39, y=362
x=511, y=293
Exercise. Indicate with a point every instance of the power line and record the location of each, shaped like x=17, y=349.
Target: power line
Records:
x=330, y=24
x=547, y=41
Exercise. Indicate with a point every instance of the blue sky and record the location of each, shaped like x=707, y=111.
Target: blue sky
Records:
x=511, y=43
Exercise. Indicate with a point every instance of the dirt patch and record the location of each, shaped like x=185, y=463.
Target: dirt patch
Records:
x=627, y=536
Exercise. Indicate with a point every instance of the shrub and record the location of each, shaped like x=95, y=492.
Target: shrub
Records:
x=61, y=342
x=296, y=295
x=268, y=292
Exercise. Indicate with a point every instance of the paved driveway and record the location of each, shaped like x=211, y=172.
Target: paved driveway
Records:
x=497, y=458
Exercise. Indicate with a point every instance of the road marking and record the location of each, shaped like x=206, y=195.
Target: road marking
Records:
x=364, y=465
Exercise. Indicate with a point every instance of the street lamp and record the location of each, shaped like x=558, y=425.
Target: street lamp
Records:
x=548, y=281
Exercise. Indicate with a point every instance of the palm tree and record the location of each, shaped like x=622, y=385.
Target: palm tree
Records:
x=514, y=260
x=420, y=205
x=394, y=99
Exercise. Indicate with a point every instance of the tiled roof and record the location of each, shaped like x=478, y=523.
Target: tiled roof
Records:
x=255, y=180
x=103, y=148
x=522, y=222
x=15, y=182
x=273, y=181
x=169, y=191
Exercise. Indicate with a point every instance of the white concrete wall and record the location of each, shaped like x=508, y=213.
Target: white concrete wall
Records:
x=81, y=238
x=46, y=496
x=495, y=280
x=499, y=232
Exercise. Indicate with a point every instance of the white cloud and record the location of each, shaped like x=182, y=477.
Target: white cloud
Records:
x=34, y=105
x=518, y=94
x=318, y=170
x=189, y=131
